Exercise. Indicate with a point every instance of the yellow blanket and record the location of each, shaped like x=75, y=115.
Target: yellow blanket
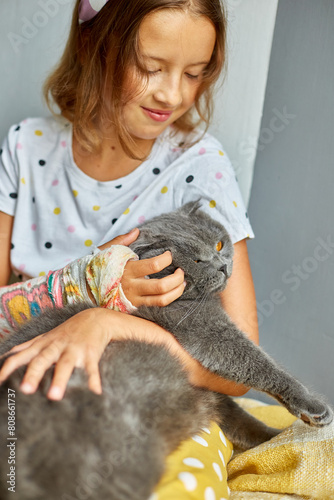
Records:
x=298, y=463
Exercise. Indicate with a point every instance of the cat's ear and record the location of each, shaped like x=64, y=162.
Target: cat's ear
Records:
x=191, y=207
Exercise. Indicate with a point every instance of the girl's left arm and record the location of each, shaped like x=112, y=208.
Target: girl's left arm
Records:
x=238, y=300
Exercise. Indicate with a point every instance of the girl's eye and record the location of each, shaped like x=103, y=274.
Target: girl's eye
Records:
x=188, y=75
x=192, y=77
x=219, y=246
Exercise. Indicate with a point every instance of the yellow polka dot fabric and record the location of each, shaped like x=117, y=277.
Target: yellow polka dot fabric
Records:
x=197, y=469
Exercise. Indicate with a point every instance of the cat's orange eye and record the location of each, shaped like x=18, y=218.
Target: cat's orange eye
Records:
x=219, y=246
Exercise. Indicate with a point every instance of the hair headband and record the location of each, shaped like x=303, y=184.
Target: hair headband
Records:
x=89, y=8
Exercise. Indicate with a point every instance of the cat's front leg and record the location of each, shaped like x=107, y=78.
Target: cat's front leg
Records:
x=214, y=340
x=262, y=373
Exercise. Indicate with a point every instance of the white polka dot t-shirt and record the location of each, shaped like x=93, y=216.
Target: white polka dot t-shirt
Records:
x=60, y=213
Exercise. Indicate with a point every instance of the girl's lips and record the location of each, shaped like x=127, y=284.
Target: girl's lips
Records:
x=156, y=114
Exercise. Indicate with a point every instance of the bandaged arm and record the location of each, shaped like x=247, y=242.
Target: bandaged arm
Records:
x=102, y=272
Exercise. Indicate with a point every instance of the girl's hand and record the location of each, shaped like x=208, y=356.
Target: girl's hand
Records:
x=149, y=292
x=78, y=342
x=123, y=239
x=152, y=292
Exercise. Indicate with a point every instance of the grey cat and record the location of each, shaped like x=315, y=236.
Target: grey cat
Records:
x=113, y=446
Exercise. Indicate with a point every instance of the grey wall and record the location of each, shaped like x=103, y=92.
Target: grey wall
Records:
x=32, y=36
x=292, y=199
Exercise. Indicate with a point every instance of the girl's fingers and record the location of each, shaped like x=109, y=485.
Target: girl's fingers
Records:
x=127, y=239
x=94, y=378
x=123, y=239
x=154, y=292
x=62, y=374
x=70, y=345
x=8, y=367
x=18, y=359
x=145, y=267
x=37, y=368
x=19, y=348
x=165, y=299
x=160, y=286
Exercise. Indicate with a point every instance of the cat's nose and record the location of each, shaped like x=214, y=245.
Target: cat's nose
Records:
x=223, y=269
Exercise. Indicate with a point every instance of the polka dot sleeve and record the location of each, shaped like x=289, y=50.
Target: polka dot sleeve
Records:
x=208, y=174
x=9, y=173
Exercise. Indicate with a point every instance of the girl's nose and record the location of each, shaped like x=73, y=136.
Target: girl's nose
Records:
x=169, y=92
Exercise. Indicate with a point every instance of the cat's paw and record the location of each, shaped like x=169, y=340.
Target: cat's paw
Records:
x=312, y=411
x=320, y=414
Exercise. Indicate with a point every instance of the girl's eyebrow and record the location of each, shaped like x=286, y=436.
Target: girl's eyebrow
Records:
x=160, y=59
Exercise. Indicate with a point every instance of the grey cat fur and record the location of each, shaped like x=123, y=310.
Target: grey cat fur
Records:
x=113, y=446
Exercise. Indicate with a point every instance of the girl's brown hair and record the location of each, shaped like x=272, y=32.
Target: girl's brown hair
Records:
x=97, y=56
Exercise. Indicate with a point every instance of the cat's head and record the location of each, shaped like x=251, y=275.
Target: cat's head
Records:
x=199, y=245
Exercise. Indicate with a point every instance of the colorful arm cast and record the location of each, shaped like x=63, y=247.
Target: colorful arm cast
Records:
x=102, y=272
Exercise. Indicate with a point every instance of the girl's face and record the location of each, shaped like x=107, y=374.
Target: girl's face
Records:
x=175, y=47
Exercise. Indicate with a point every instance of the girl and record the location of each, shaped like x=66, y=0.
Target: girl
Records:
x=125, y=147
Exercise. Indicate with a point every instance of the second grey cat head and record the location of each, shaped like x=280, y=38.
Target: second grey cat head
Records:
x=199, y=245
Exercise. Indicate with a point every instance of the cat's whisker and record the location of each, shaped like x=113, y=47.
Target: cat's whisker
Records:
x=191, y=310
x=201, y=302
x=178, y=306
x=195, y=305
